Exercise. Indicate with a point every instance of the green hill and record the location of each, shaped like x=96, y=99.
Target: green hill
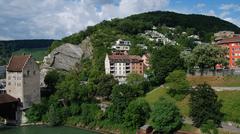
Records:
x=37, y=48
x=104, y=34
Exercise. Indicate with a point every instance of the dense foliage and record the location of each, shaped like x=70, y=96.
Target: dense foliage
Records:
x=163, y=61
x=204, y=106
x=79, y=95
x=166, y=116
x=137, y=113
x=177, y=83
x=206, y=57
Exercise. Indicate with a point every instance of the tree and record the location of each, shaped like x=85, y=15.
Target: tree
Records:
x=52, y=78
x=36, y=112
x=208, y=56
x=209, y=128
x=104, y=85
x=163, y=61
x=121, y=97
x=204, y=105
x=177, y=83
x=138, y=83
x=165, y=116
x=54, y=116
x=89, y=113
x=136, y=114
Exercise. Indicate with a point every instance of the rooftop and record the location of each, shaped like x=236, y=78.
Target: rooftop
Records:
x=229, y=40
x=17, y=63
x=5, y=98
x=125, y=58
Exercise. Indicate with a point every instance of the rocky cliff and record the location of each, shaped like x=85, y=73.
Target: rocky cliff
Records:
x=66, y=56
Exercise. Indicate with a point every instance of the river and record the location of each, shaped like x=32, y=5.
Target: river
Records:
x=43, y=130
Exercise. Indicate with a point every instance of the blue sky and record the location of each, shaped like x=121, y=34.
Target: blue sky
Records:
x=36, y=19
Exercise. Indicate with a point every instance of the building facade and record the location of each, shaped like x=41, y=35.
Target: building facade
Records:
x=121, y=65
x=23, y=80
x=121, y=45
x=233, y=45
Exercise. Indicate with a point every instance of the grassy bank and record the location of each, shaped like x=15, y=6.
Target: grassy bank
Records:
x=231, y=103
x=217, y=81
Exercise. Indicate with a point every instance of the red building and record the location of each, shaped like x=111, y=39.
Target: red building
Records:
x=233, y=45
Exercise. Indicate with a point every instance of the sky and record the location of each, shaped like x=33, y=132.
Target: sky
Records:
x=54, y=19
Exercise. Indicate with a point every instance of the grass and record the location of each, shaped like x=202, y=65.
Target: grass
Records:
x=189, y=128
x=155, y=94
x=217, y=81
x=37, y=53
x=231, y=103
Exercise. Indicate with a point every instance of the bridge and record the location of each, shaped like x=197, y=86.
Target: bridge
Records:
x=9, y=107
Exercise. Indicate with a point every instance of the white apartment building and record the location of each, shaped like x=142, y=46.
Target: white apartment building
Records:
x=121, y=65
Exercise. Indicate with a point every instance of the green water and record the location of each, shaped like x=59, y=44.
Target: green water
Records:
x=43, y=130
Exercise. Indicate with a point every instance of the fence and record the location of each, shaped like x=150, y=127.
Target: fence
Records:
x=218, y=72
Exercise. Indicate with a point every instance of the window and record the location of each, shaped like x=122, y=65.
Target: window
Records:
x=34, y=72
x=28, y=72
x=18, y=84
x=9, y=77
x=9, y=83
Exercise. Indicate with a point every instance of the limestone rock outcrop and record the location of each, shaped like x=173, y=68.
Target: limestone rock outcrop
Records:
x=66, y=56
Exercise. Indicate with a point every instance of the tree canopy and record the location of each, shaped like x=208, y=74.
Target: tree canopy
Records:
x=165, y=116
x=204, y=106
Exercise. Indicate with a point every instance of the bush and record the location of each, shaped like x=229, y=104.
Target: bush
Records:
x=177, y=83
x=165, y=116
x=204, y=106
x=54, y=116
x=136, y=114
x=90, y=113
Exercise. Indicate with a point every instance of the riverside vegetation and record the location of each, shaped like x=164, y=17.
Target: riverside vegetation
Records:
x=76, y=95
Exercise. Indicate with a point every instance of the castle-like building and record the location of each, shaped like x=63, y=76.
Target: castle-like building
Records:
x=23, y=80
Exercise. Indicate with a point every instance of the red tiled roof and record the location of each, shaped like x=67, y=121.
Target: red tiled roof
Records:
x=125, y=58
x=5, y=98
x=229, y=40
x=17, y=63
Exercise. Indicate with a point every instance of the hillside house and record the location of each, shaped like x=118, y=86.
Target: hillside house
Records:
x=121, y=45
x=121, y=65
x=23, y=80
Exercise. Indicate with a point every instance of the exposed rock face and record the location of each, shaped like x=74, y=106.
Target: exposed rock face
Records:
x=65, y=57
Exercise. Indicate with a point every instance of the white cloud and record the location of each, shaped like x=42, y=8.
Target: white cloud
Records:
x=233, y=20
x=58, y=18
x=211, y=13
x=224, y=14
x=200, y=5
x=235, y=7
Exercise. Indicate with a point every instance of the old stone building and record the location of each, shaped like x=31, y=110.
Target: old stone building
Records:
x=23, y=80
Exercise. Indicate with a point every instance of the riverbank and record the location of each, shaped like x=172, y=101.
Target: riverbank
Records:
x=113, y=129
x=43, y=130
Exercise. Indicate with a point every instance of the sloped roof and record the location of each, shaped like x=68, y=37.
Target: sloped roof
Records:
x=5, y=98
x=125, y=58
x=229, y=40
x=17, y=63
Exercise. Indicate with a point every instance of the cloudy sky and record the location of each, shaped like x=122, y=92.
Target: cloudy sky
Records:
x=34, y=19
